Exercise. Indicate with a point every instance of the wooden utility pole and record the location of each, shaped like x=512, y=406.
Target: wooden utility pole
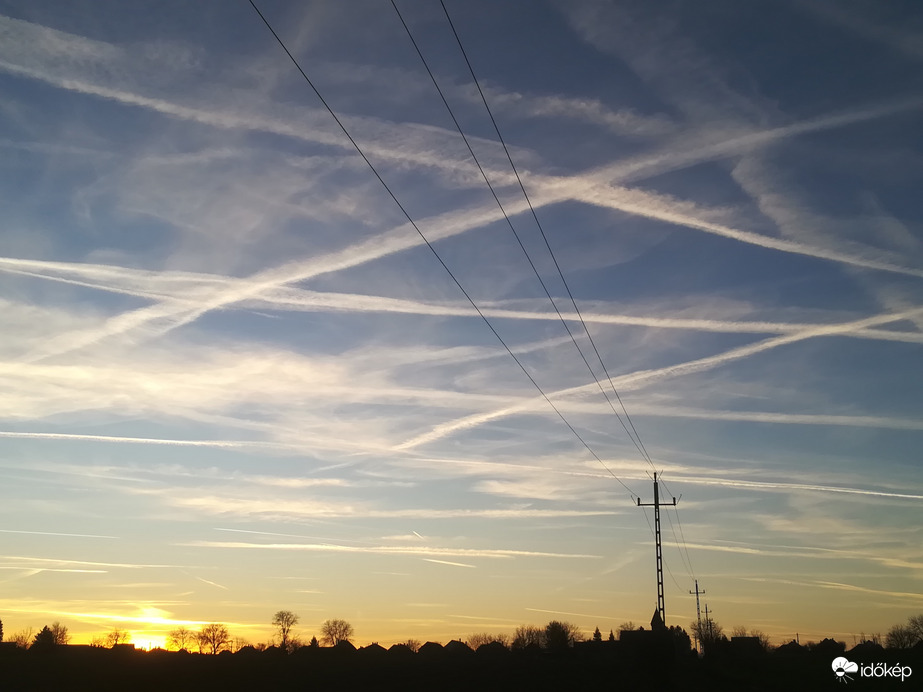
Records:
x=656, y=505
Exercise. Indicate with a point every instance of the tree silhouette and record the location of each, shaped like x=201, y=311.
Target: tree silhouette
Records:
x=611, y=636
x=335, y=631
x=284, y=621
x=1, y=630
x=560, y=635
x=59, y=632
x=181, y=638
x=117, y=636
x=915, y=623
x=44, y=639
x=741, y=631
x=22, y=638
x=900, y=637
x=314, y=643
x=481, y=638
x=708, y=632
x=597, y=635
x=528, y=635
x=213, y=638
x=627, y=627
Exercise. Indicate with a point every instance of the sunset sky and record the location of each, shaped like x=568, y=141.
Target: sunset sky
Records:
x=235, y=379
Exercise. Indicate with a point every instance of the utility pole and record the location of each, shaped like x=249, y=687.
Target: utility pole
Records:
x=656, y=505
x=698, y=612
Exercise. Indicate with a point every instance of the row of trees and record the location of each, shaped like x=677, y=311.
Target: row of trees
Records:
x=215, y=637
x=51, y=635
x=212, y=638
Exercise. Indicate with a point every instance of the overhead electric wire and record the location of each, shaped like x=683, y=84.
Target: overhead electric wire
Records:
x=680, y=546
x=636, y=438
x=665, y=564
x=430, y=246
x=633, y=433
x=512, y=228
x=685, y=548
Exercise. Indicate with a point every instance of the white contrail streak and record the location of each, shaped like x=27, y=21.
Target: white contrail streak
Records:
x=226, y=444
x=644, y=377
x=289, y=298
x=387, y=550
x=52, y=533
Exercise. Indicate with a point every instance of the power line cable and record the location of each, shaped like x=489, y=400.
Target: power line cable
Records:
x=430, y=246
x=680, y=546
x=512, y=228
x=635, y=437
x=665, y=564
x=570, y=294
x=685, y=548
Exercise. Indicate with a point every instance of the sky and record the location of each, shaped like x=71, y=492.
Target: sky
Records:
x=236, y=380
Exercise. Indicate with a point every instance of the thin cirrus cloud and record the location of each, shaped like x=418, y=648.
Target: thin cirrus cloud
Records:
x=413, y=550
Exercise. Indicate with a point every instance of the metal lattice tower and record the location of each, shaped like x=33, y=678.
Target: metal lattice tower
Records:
x=659, y=550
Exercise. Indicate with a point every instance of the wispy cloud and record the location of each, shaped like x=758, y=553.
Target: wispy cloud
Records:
x=390, y=550
x=52, y=533
x=646, y=377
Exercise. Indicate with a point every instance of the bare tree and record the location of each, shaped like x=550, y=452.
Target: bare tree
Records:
x=214, y=638
x=59, y=633
x=481, y=638
x=528, y=635
x=627, y=627
x=763, y=639
x=284, y=621
x=864, y=638
x=708, y=634
x=900, y=637
x=915, y=623
x=413, y=644
x=335, y=631
x=180, y=638
x=23, y=638
x=117, y=636
x=741, y=631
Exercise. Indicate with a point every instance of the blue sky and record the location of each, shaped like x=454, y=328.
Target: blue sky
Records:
x=236, y=380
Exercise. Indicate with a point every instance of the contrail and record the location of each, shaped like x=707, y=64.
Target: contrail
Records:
x=226, y=444
x=290, y=298
x=644, y=377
